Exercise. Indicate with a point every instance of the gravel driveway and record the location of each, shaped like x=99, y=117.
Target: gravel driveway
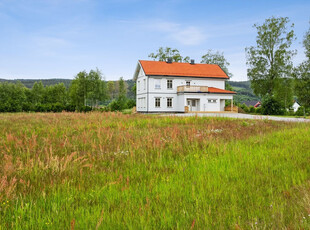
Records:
x=244, y=116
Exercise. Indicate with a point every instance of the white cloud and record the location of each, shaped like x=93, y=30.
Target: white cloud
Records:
x=185, y=35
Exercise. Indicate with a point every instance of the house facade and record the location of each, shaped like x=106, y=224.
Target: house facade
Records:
x=180, y=87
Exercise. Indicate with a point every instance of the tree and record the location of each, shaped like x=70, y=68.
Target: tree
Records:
x=306, y=44
x=111, y=89
x=121, y=102
x=270, y=106
x=302, y=75
x=38, y=91
x=95, y=89
x=164, y=53
x=216, y=58
x=270, y=62
x=78, y=90
x=12, y=97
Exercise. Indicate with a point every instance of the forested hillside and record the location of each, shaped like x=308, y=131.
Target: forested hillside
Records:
x=244, y=91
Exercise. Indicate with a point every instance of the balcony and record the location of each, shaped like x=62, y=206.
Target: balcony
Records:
x=192, y=89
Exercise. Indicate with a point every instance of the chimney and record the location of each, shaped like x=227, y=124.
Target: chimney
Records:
x=192, y=61
x=169, y=60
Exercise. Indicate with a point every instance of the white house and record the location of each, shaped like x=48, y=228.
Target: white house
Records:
x=295, y=106
x=175, y=87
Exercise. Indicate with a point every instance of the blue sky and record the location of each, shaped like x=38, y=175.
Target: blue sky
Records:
x=58, y=38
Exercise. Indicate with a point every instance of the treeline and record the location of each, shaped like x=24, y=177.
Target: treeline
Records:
x=88, y=91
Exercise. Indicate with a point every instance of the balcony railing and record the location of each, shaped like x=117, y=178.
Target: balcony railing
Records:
x=192, y=89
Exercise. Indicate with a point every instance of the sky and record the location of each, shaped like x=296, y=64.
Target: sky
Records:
x=43, y=39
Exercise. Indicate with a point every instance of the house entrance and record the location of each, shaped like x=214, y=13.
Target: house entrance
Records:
x=193, y=104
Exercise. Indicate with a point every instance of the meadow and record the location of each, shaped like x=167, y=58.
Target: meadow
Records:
x=121, y=171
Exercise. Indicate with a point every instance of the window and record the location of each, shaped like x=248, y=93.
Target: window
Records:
x=169, y=84
x=169, y=102
x=157, y=102
x=144, y=84
x=188, y=83
x=157, y=84
x=138, y=85
x=212, y=101
x=193, y=103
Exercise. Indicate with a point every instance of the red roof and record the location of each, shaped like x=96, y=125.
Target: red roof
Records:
x=217, y=90
x=157, y=68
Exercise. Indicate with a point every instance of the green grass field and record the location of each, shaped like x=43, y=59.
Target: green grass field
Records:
x=118, y=171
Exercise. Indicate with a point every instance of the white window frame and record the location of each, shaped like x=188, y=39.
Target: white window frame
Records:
x=157, y=102
x=138, y=83
x=169, y=102
x=188, y=83
x=169, y=84
x=212, y=100
x=144, y=84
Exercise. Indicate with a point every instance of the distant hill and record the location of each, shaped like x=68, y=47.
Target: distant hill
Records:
x=46, y=82
x=243, y=89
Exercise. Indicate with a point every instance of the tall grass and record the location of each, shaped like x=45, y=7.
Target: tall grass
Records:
x=114, y=171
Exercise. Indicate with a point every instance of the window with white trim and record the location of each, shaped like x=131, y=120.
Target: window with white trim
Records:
x=157, y=102
x=212, y=101
x=138, y=85
x=169, y=84
x=157, y=83
x=188, y=83
x=144, y=84
x=169, y=102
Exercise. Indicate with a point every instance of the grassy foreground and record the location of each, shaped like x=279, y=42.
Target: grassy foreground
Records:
x=115, y=171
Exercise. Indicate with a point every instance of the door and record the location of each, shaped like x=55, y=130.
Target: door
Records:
x=192, y=104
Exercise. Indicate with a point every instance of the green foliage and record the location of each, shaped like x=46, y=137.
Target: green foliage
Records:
x=302, y=83
x=216, y=58
x=270, y=106
x=228, y=86
x=131, y=103
x=162, y=54
x=300, y=111
x=271, y=60
x=244, y=108
x=258, y=110
x=88, y=89
x=306, y=43
x=252, y=109
x=28, y=83
x=243, y=90
x=12, y=97
x=302, y=75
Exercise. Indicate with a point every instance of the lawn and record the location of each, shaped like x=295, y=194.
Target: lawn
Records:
x=121, y=171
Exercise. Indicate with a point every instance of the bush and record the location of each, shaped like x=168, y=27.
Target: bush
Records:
x=258, y=110
x=28, y=107
x=117, y=105
x=271, y=106
x=70, y=108
x=85, y=109
x=300, y=111
x=131, y=103
x=252, y=109
x=57, y=107
x=245, y=108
